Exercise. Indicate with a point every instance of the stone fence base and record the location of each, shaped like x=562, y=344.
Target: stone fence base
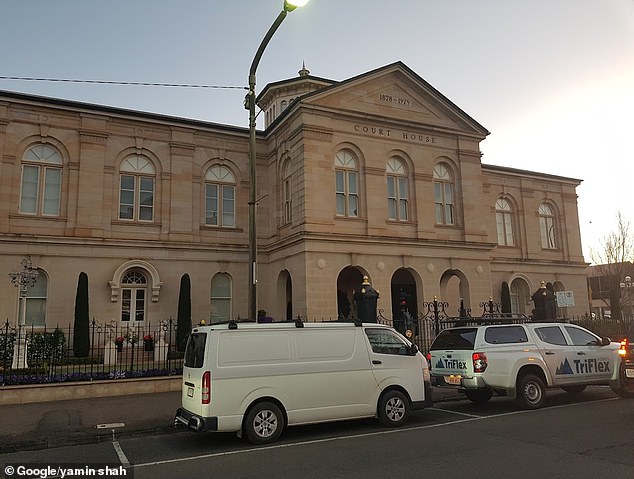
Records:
x=36, y=393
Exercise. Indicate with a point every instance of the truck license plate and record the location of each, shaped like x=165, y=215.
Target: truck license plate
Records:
x=453, y=380
x=190, y=392
x=629, y=373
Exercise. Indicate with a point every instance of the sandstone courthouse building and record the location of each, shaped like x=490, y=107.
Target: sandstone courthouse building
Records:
x=377, y=175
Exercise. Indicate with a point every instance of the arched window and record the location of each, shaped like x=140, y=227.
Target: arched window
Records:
x=397, y=190
x=41, y=185
x=443, y=195
x=220, y=298
x=504, y=221
x=347, y=184
x=287, y=191
x=547, y=226
x=133, y=296
x=220, y=197
x=136, y=189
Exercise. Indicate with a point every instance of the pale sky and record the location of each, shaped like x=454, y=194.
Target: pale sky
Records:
x=552, y=80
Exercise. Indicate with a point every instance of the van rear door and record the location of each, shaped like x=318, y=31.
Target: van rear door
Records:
x=194, y=373
x=451, y=355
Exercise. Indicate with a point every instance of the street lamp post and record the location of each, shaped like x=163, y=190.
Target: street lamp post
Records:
x=249, y=103
x=23, y=280
x=628, y=288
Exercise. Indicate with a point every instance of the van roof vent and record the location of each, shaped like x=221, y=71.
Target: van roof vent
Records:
x=299, y=323
x=232, y=324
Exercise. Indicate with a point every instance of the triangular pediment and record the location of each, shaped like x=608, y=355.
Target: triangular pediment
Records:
x=395, y=93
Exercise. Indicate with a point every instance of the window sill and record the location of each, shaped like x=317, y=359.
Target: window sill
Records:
x=135, y=223
x=220, y=228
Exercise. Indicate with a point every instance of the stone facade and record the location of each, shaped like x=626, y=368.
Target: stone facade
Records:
x=378, y=175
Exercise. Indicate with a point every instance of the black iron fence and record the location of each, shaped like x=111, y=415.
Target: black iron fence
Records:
x=422, y=330
x=30, y=355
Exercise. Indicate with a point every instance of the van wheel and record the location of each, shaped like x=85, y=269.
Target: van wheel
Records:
x=531, y=392
x=479, y=396
x=264, y=423
x=393, y=409
x=574, y=390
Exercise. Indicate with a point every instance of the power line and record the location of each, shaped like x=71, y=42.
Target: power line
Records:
x=105, y=82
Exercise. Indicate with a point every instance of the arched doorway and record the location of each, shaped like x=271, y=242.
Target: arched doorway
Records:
x=404, y=300
x=285, y=296
x=348, y=281
x=520, y=297
x=454, y=287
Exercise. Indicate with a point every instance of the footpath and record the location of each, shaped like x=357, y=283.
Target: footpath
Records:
x=75, y=421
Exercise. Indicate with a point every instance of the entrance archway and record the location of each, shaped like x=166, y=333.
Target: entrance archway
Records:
x=454, y=286
x=404, y=300
x=520, y=297
x=348, y=281
x=285, y=295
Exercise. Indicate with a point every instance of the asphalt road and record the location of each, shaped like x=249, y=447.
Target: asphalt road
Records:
x=590, y=436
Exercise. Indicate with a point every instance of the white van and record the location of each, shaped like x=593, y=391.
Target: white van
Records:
x=257, y=379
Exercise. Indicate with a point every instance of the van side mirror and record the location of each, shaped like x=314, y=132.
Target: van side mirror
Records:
x=413, y=349
x=605, y=341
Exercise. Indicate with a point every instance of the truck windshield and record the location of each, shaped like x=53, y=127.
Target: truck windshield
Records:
x=462, y=338
x=195, y=350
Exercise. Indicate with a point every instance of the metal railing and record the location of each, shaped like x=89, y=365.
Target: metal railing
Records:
x=31, y=355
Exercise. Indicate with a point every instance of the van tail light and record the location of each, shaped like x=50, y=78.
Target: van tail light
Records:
x=206, y=389
x=428, y=356
x=623, y=348
x=479, y=362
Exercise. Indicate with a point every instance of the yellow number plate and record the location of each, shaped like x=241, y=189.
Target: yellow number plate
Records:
x=453, y=380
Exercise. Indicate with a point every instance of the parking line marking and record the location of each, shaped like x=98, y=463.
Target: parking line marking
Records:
x=354, y=436
x=122, y=457
x=453, y=412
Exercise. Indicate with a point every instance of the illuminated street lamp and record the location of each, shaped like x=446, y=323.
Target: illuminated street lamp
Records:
x=628, y=289
x=249, y=104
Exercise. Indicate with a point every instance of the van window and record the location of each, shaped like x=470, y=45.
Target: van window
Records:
x=462, y=338
x=505, y=335
x=384, y=341
x=195, y=350
x=551, y=335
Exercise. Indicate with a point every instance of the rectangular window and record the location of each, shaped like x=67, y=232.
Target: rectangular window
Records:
x=353, y=198
x=403, y=199
x=195, y=350
x=139, y=305
x=52, y=191
x=505, y=335
x=126, y=301
x=126, y=197
x=28, y=198
x=287, y=201
x=391, y=197
x=211, y=205
x=228, y=205
x=146, y=198
x=341, y=193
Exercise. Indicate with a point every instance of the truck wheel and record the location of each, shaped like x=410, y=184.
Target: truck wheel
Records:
x=574, y=390
x=531, y=392
x=393, y=409
x=622, y=390
x=264, y=423
x=479, y=396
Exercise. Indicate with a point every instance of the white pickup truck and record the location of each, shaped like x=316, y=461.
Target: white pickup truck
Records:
x=522, y=360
